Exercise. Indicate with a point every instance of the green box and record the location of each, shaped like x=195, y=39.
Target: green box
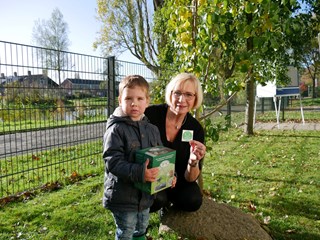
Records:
x=161, y=157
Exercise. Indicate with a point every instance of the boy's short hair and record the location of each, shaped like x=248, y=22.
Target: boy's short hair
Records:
x=132, y=81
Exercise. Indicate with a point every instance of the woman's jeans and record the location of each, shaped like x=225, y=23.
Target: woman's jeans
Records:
x=130, y=224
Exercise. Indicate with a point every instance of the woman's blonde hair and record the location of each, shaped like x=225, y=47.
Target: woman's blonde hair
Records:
x=180, y=79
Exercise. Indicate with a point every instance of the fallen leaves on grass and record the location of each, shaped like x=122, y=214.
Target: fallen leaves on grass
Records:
x=252, y=207
x=34, y=157
x=290, y=231
x=18, y=197
x=51, y=186
x=266, y=220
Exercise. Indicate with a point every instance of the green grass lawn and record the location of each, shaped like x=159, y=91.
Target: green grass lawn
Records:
x=273, y=175
x=306, y=102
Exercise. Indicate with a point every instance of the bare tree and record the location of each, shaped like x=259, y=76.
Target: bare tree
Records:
x=157, y=4
x=127, y=25
x=52, y=34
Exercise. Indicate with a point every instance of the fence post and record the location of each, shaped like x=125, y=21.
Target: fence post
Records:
x=111, y=85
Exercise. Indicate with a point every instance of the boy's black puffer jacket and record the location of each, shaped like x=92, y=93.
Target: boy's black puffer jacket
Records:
x=121, y=139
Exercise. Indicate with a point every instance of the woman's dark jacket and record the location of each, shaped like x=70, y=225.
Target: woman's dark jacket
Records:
x=157, y=116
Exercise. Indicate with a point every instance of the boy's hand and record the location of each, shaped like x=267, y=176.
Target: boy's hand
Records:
x=150, y=174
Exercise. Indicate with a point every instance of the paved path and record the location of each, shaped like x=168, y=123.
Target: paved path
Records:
x=21, y=143
x=287, y=126
x=27, y=142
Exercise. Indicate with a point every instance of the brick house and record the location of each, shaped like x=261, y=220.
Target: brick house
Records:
x=74, y=86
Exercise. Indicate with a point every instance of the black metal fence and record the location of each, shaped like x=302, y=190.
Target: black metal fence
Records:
x=53, y=109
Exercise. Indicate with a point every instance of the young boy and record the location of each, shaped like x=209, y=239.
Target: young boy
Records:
x=127, y=131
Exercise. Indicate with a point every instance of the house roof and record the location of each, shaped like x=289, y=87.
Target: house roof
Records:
x=9, y=79
x=83, y=81
x=36, y=77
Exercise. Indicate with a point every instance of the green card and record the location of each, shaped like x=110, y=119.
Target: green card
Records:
x=187, y=135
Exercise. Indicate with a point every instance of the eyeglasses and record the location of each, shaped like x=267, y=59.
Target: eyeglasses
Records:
x=187, y=95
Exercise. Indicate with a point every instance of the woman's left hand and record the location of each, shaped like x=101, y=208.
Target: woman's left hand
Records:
x=197, y=150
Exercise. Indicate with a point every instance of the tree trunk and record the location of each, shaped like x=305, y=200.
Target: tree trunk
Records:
x=157, y=4
x=249, y=104
x=314, y=95
x=250, y=91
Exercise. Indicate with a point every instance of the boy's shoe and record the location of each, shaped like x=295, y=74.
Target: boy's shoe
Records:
x=164, y=210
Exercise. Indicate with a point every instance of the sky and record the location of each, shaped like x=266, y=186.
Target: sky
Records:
x=18, y=17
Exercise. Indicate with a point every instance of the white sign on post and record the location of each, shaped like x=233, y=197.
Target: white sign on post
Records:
x=268, y=90
x=271, y=90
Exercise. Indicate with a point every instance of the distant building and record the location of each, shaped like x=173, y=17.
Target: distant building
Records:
x=37, y=80
x=74, y=86
x=8, y=79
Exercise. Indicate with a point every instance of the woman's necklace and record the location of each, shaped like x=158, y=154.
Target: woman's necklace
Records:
x=183, y=122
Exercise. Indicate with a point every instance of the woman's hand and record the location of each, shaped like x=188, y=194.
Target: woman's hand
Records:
x=197, y=150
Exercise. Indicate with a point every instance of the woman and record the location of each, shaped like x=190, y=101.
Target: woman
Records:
x=183, y=94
